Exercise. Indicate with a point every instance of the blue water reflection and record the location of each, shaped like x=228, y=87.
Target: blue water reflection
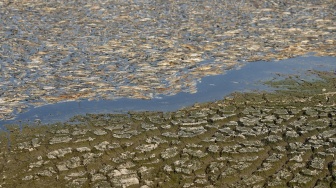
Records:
x=246, y=77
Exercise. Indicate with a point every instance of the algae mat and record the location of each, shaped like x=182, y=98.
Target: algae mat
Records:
x=285, y=138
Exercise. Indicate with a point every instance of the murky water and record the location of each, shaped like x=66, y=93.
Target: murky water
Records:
x=246, y=77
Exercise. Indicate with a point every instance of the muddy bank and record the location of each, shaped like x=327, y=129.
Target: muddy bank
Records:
x=265, y=139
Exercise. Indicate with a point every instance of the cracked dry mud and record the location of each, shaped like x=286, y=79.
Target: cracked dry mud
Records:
x=281, y=139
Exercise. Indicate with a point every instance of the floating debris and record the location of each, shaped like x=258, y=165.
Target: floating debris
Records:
x=55, y=51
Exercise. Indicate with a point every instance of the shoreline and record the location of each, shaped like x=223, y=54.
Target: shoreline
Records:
x=249, y=77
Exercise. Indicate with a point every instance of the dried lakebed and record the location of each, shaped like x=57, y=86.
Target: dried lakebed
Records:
x=285, y=138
